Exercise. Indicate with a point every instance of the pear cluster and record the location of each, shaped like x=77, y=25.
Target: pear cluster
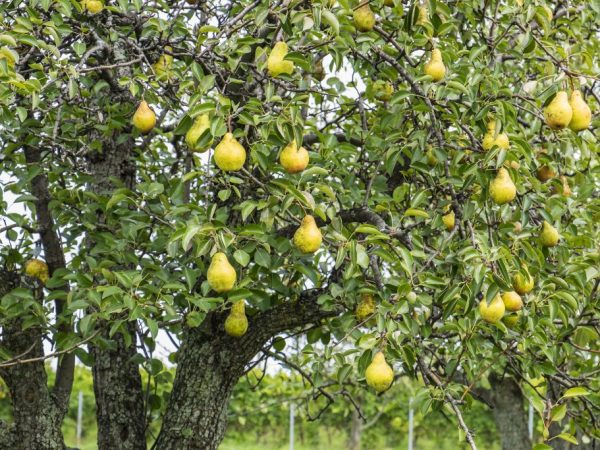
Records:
x=563, y=111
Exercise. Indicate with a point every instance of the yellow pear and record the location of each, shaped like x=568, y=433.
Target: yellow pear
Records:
x=230, y=155
x=276, y=64
x=365, y=307
x=435, y=66
x=162, y=67
x=582, y=114
x=493, y=312
x=523, y=284
x=558, y=113
x=449, y=220
x=308, y=237
x=511, y=320
x=37, y=268
x=545, y=173
x=200, y=125
x=93, y=6
x=491, y=138
x=144, y=118
x=379, y=374
x=383, y=90
x=502, y=188
x=293, y=159
x=236, y=323
x=10, y=56
x=549, y=236
x=221, y=275
x=364, y=19
x=512, y=301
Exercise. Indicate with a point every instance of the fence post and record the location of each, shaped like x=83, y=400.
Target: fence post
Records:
x=530, y=422
x=292, y=407
x=411, y=417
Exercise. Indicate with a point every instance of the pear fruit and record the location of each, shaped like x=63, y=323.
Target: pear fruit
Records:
x=293, y=159
x=423, y=18
x=435, y=66
x=449, y=220
x=162, y=67
x=364, y=19
x=276, y=64
x=365, y=307
x=230, y=155
x=379, y=374
x=144, y=118
x=200, y=125
x=493, y=312
x=319, y=70
x=411, y=297
x=491, y=138
x=523, y=284
x=308, y=237
x=502, y=188
x=512, y=301
x=558, y=113
x=236, y=323
x=383, y=90
x=221, y=275
x=511, y=320
x=93, y=6
x=566, y=189
x=582, y=114
x=549, y=236
x=545, y=173
x=37, y=268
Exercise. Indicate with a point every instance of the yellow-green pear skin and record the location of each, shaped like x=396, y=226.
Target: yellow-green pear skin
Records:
x=493, y=312
x=383, y=90
x=200, y=125
x=293, y=159
x=435, y=66
x=364, y=19
x=308, y=237
x=162, y=67
x=230, y=155
x=549, y=236
x=512, y=301
x=582, y=114
x=276, y=64
x=511, y=320
x=236, y=323
x=559, y=113
x=93, y=6
x=365, y=307
x=449, y=220
x=523, y=284
x=491, y=138
x=423, y=18
x=37, y=268
x=221, y=275
x=144, y=118
x=502, y=188
x=379, y=374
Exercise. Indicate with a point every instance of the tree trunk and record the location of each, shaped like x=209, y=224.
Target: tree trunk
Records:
x=355, y=431
x=509, y=414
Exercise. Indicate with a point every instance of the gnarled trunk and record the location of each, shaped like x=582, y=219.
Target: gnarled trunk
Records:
x=509, y=414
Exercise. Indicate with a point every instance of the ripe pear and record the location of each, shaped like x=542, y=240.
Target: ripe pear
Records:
x=502, y=188
x=162, y=67
x=383, y=90
x=379, y=374
x=37, y=268
x=493, y=312
x=308, y=237
x=435, y=66
x=449, y=220
x=276, y=64
x=558, y=113
x=236, y=323
x=230, y=155
x=491, y=138
x=365, y=307
x=545, y=173
x=200, y=125
x=582, y=114
x=144, y=118
x=549, y=236
x=511, y=320
x=512, y=301
x=93, y=6
x=523, y=284
x=221, y=275
x=293, y=159
x=364, y=19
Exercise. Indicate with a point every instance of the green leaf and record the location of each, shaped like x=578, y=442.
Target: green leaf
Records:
x=578, y=391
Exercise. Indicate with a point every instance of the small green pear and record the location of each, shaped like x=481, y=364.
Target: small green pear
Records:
x=293, y=159
x=523, y=284
x=411, y=297
x=493, y=312
x=308, y=237
x=549, y=236
x=230, y=155
x=512, y=301
x=511, y=320
x=200, y=125
x=582, y=114
x=365, y=307
x=364, y=19
x=162, y=67
x=221, y=275
x=236, y=323
x=379, y=374
x=435, y=66
x=449, y=220
x=559, y=113
x=144, y=118
x=276, y=64
x=383, y=90
x=502, y=188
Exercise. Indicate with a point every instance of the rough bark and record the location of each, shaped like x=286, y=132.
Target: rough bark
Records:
x=509, y=414
x=210, y=364
x=355, y=431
